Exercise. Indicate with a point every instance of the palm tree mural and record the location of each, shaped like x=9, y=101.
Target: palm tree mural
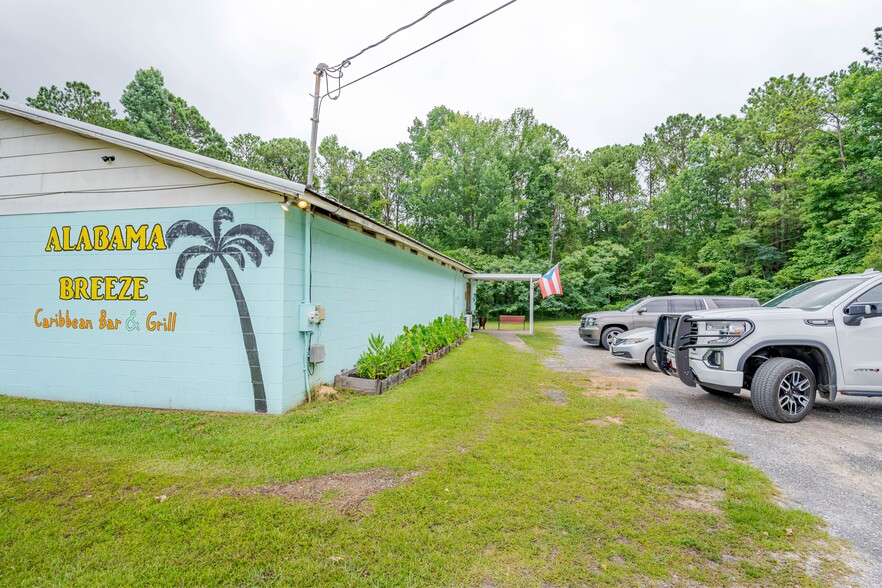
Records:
x=237, y=243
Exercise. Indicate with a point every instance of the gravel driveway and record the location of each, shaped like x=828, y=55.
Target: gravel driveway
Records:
x=830, y=464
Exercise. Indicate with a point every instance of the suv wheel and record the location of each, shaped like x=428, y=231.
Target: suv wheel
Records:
x=608, y=335
x=651, y=360
x=783, y=390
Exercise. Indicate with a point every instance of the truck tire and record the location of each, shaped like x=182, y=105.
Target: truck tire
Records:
x=650, y=359
x=608, y=334
x=783, y=390
x=715, y=392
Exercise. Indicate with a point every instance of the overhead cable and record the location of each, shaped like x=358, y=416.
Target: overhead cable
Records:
x=400, y=59
x=346, y=62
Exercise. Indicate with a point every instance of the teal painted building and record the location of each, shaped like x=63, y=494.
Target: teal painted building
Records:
x=136, y=274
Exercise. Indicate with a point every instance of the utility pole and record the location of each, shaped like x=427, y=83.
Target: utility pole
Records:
x=316, y=106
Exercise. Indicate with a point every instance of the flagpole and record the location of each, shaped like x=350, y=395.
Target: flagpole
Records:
x=531, y=306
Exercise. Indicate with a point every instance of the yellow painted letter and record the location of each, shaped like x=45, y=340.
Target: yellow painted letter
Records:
x=65, y=288
x=157, y=239
x=53, y=244
x=136, y=237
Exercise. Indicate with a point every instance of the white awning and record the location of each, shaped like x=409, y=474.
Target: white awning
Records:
x=532, y=278
x=504, y=277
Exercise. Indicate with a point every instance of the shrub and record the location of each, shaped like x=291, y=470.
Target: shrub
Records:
x=380, y=360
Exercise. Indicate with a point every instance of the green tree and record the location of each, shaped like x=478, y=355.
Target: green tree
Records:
x=782, y=117
x=154, y=113
x=243, y=151
x=534, y=156
x=387, y=175
x=285, y=157
x=843, y=206
x=874, y=53
x=78, y=101
x=461, y=182
x=343, y=174
x=671, y=145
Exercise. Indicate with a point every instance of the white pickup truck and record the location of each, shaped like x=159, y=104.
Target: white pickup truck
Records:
x=823, y=337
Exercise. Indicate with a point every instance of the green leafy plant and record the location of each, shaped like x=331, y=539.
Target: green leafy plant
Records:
x=414, y=348
x=380, y=360
x=372, y=363
x=396, y=355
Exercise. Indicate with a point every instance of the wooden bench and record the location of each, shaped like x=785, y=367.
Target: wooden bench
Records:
x=508, y=318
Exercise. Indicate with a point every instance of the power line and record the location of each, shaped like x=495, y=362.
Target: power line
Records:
x=346, y=62
x=400, y=59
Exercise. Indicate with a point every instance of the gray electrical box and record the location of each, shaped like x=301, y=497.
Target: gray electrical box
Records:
x=316, y=354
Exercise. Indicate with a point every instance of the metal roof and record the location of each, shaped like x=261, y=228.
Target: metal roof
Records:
x=240, y=175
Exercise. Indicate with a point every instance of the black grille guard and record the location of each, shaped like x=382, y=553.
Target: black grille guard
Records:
x=677, y=334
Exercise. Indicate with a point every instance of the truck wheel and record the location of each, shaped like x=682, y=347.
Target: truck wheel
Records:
x=715, y=392
x=650, y=360
x=610, y=333
x=783, y=390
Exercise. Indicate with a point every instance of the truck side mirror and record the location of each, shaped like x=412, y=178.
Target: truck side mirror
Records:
x=641, y=311
x=856, y=313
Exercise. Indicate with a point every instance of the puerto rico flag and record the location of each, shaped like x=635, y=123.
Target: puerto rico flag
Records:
x=550, y=283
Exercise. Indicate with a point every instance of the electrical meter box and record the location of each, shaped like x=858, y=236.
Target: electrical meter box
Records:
x=307, y=314
x=311, y=314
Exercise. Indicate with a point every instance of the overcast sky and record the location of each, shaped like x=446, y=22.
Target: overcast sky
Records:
x=601, y=72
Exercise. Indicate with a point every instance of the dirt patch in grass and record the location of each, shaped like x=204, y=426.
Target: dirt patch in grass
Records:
x=345, y=492
x=607, y=420
x=704, y=499
x=610, y=386
x=555, y=396
x=823, y=554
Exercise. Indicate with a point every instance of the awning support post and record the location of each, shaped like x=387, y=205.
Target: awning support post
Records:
x=531, y=306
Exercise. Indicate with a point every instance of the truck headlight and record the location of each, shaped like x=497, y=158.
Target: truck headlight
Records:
x=589, y=321
x=729, y=330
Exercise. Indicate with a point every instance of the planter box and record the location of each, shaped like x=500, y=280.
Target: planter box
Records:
x=350, y=381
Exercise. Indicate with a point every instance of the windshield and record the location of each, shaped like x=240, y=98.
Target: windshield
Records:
x=814, y=295
x=633, y=304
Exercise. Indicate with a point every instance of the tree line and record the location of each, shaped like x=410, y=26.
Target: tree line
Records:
x=787, y=190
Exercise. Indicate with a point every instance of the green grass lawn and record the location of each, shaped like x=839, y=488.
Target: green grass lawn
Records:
x=509, y=487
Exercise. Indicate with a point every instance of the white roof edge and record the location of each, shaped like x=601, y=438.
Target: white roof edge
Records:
x=229, y=171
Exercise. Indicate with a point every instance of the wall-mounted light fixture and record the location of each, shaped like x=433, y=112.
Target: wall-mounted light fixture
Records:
x=108, y=158
x=301, y=204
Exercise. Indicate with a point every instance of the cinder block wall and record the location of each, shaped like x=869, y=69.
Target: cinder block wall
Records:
x=198, y=360
x=367, y=286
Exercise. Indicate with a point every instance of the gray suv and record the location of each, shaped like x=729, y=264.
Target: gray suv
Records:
x=600, y=328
